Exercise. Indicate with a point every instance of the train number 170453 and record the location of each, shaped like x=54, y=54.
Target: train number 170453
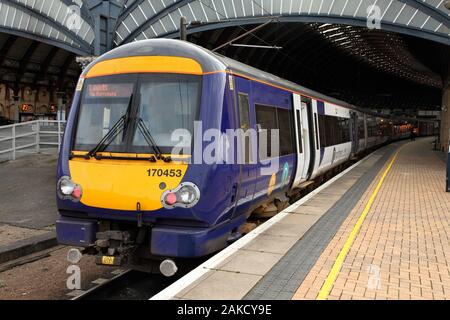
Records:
x=164, y=173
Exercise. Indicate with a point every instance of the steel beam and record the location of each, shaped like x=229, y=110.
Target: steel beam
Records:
x=31, y=36
x=85, y=46
x=359, y=22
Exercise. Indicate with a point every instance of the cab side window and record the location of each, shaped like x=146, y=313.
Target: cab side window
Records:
x=244, y=124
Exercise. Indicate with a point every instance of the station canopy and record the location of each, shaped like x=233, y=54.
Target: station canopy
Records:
x=37, y=45
x=400, y=63
x=322, y=44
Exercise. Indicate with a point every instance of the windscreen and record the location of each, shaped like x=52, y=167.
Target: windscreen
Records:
x=163, y=103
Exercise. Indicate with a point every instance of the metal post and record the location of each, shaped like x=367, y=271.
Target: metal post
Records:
x=14, y=142
x=38, y=137
x=183, y=29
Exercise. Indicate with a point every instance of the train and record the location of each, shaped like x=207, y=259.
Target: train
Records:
x=126, y=197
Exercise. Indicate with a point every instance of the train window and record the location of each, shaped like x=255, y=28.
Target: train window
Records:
x=164, y=103
x=361, y=133
x=167, y=103
x=333, y=130
x=244, y=112
x=372, y=127
x=284, y=124
x=102, y=105
x=299, y=132
x=244, y=123
x=266, y=118
x=344, y=130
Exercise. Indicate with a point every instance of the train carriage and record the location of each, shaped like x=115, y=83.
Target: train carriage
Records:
x=123, y=193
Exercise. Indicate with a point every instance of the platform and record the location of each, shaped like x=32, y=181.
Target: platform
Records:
x=379, y=230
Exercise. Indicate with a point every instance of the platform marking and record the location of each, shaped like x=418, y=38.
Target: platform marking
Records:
x=326, y=288
x=195, y=275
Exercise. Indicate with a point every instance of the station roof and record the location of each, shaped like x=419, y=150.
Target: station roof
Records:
x=28, y=62
x=49, y=21
x=39, y=42
x=324, y=45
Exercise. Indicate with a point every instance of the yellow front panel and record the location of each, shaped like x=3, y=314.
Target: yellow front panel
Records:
x=145, y=64
x=120, y=184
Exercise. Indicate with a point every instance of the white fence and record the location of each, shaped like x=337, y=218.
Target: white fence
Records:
x=38, y=136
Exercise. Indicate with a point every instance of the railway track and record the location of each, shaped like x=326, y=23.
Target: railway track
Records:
x=128, y=285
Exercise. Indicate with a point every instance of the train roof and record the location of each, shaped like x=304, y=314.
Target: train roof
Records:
x=210, y=62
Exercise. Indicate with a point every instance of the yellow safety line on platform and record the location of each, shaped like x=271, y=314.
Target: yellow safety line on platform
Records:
x=326, y=288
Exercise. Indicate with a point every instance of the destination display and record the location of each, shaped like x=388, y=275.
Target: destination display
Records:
x=110, y=90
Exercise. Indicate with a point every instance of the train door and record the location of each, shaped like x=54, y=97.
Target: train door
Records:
x=302, y=139
x=310, y=117
x=245, y=119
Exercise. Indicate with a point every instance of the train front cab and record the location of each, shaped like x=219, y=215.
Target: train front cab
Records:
x=121, y=190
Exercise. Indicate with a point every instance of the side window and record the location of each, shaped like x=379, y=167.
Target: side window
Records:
x=334, y=130
x=299, y=132
x=361, y=132
x=371, y=127
x=244, y=113
x=345, y=130
x=284, y=124
x=244, y=123
x=266, y=118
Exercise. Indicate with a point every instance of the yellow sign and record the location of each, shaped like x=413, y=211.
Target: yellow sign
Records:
x=230, y=80
x=272, y=182
x=108, y=260
x=80, y=84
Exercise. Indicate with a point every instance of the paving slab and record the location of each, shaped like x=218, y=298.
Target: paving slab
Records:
x=27, y=192
x=27, y=205
x=251, y=262
x=222, y=285
x=271, y=244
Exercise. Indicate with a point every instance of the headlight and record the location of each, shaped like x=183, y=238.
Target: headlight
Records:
x=66, y=187
x=69, y=190
x=186, y=195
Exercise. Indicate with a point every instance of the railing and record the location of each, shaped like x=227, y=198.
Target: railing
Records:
x=38, y=136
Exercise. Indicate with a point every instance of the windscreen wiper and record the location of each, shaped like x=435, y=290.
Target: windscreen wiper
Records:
x=117, y=128
x=150, y=141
